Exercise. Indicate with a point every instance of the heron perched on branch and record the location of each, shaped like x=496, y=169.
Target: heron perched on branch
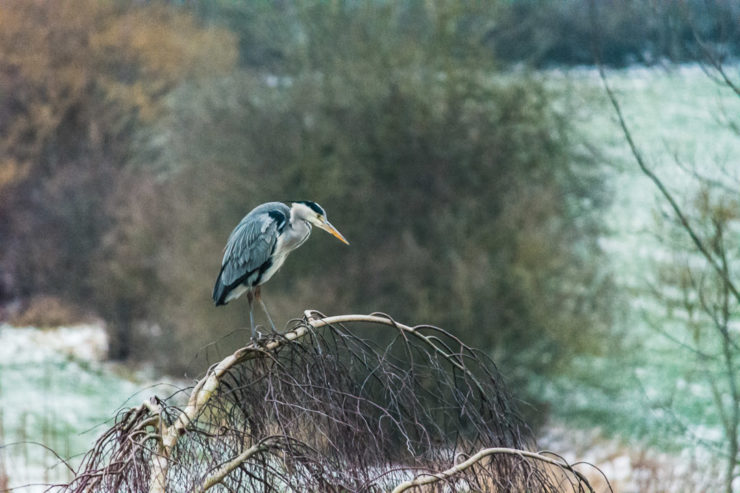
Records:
x=259, y=245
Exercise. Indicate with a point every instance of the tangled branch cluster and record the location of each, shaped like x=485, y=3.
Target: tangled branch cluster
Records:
x=321, y=408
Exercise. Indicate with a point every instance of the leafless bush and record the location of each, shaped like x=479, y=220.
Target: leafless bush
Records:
x=320, y=408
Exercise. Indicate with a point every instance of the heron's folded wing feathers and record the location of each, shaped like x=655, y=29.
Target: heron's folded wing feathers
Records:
x=250, y=245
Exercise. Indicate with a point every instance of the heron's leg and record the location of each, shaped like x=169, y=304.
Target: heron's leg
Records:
x=258, y=295
x=250, y=299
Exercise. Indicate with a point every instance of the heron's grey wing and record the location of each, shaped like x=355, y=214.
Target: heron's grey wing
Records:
x=251, y=244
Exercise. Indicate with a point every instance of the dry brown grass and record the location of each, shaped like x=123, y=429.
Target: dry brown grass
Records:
x=49, y=311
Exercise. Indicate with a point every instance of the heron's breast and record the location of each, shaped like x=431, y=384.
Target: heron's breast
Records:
x=277, y=262
x=293, y=237
x=286, y=243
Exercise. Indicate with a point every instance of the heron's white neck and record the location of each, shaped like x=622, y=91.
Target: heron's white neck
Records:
x=297, y=231
x=300, y=212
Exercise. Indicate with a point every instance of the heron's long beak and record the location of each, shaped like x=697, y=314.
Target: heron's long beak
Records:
x=326, y=226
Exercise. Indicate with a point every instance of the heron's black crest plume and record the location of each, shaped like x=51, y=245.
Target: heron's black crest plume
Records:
x=311, y=205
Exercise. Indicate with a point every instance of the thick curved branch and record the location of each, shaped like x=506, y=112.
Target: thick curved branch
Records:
x=340, y=319
x=224, y=470
x=427, y=479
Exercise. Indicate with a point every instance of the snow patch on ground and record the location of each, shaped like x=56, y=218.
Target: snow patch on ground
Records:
x=57, y=390
x=632, y=468
x=29, y=344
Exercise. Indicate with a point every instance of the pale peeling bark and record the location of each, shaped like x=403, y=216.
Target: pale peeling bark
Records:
x=224, y=471
x=199, y=397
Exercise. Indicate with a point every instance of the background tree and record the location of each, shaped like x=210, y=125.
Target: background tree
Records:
x=696, y=282
x=699, y=301
x=80, y=80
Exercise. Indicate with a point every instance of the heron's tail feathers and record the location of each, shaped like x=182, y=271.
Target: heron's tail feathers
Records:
x=220, y=292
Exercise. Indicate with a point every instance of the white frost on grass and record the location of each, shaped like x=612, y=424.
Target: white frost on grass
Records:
x=56, y=390
x=28, y=344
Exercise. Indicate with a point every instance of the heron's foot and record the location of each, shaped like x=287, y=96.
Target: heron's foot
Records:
x=274, y=332
x=257, y=338
x=270, y=334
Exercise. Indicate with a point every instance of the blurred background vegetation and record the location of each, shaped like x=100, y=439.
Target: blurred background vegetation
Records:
x=135, y=135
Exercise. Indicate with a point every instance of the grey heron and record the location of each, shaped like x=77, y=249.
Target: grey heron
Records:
x=259, y=245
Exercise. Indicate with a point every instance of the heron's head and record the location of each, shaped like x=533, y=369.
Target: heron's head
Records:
x=314, y=214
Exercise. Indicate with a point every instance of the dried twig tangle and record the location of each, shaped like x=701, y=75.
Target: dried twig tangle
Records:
x=320, y=408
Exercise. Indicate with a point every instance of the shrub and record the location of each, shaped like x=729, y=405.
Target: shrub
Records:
x=455, y=184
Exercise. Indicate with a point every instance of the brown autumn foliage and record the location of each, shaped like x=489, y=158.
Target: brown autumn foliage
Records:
x=79, y=81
